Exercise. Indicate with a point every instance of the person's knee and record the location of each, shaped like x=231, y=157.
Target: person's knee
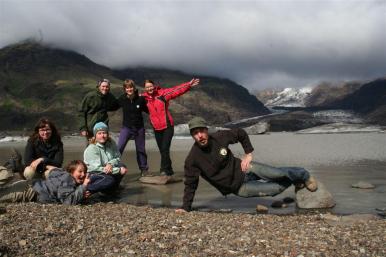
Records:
x=29, y=173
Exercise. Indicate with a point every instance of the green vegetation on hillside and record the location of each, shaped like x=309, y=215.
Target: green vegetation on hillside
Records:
x=38, y=80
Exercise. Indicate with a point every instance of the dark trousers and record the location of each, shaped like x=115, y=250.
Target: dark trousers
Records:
x=103, y=182
x=138, y=134
x=164, y=140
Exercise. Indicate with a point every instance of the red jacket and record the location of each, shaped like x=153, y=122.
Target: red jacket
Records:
x=158, y=104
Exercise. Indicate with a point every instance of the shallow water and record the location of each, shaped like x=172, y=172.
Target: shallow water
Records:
x=337, y=160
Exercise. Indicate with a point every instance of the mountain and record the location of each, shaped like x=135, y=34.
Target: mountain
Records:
x=38, y=80
x=319, y=96
x=287, y=97
x=369, y=100
x=326, y=93
x=359, y=102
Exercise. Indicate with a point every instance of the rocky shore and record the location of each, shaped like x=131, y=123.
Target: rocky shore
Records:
x=108, y=229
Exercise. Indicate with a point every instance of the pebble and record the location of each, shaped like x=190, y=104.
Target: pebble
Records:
x=125, y=230
x=363, y=185
x=278, y=204
x=261, y=208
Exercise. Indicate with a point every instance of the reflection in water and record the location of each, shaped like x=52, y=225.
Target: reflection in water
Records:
x=336, y=160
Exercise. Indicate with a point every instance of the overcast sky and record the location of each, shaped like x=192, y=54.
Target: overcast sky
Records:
x=258, y=44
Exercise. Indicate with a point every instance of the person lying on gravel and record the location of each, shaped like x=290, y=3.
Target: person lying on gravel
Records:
x=103, y=161
x=67, y=186
x=211, y=158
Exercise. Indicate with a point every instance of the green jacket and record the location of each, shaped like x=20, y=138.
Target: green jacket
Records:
x=94, y=108
x=96, y=156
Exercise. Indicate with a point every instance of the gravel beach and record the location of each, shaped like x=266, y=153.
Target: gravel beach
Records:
x=108, y=229
x=123, y=229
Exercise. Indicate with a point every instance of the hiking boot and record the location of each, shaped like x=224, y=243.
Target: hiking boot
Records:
x=146, y=173
x=299, y=186
x=163, y=173
x=311, y=184
x=18, y=186
x=14, y=162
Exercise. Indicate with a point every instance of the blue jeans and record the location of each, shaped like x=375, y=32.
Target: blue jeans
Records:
x=264, y=180
x=139, y=138
x=102, y=182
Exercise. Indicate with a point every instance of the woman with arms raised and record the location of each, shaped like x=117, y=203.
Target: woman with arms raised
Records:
x=157, y=99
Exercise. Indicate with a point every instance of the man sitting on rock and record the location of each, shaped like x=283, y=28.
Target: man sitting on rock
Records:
x=211, y=158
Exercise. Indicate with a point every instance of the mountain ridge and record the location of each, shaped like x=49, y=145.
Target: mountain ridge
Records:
x=38, y=80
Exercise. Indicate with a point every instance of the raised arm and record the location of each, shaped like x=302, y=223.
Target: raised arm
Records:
x=238, y=135
x=171, y=93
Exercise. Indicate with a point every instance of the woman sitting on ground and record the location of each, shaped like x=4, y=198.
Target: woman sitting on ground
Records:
x=44, y=150
x=103, y=161
x=61, y=186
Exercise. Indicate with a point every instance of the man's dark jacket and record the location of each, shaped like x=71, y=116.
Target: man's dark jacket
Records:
x=216, y=164
x=94, y=108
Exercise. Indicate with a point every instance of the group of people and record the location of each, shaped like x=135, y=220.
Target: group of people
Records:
x=101, y=169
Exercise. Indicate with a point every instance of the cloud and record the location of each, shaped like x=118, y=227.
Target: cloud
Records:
x=258, y=44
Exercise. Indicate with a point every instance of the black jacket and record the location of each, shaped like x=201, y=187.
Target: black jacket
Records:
x=216, y=164
x=51, y=152
x=132, y=110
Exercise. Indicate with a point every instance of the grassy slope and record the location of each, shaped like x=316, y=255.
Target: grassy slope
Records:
x=38, y=81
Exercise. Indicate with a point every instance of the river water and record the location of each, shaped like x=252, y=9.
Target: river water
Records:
x=337, y=160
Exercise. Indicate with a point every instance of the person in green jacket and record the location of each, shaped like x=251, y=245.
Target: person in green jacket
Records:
x=94, y=108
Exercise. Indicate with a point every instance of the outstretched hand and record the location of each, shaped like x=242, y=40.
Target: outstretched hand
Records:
x=194, y=82
x=246, y=161
x=86, y=180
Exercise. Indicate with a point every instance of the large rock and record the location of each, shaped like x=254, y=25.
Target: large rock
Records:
x=321, y=198
x=259, y=128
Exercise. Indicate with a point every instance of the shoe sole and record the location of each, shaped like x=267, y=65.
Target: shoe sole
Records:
x=18, y=186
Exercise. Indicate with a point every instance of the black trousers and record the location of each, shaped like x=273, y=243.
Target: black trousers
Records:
x=164, y=140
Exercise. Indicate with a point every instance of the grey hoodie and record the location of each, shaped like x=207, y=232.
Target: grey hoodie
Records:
x=59, y=187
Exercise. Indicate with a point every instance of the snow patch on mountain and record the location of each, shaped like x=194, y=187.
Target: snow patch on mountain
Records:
x=290, y=97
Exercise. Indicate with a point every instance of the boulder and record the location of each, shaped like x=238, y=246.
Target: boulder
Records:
x=363, y=185
x=321, y=198
x=259, y=128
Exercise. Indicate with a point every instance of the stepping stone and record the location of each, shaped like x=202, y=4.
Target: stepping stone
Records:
x=261, y=209
x=363, y=185
x=159, y=180
x=319, y=199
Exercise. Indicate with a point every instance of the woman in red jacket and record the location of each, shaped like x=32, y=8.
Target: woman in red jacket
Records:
x=157, y=100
